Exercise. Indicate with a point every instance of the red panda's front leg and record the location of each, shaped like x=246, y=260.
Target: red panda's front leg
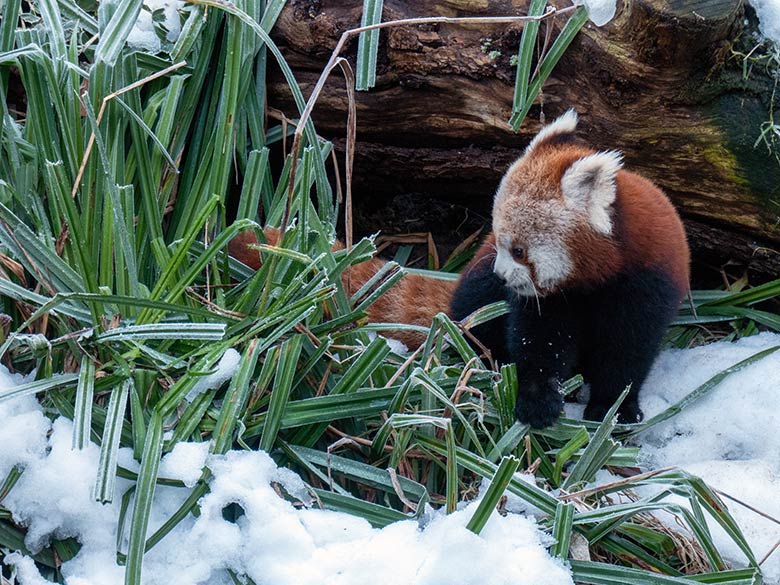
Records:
x=542, y=341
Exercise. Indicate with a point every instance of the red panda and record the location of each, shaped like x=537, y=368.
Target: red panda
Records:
x=414, y=300
x=594, y=263
x=592, y=260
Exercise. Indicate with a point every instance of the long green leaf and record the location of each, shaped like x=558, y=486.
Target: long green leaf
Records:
x=109, y=449
x=368, y=44
x=493, y=494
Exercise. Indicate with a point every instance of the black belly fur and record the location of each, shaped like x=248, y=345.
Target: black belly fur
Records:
x=610, y=333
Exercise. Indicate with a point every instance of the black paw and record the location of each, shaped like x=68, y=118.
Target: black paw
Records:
x=539, y=404
x=628, y=413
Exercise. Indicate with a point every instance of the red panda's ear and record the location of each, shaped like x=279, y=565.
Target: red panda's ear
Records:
x=563, y=124
x=589, y=185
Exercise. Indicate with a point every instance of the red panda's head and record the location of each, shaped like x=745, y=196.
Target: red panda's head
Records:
x=553, y=214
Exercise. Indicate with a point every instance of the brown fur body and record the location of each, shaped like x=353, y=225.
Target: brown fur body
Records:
x=414, y=300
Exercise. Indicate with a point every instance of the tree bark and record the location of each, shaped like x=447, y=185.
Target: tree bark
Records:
x=661, y=83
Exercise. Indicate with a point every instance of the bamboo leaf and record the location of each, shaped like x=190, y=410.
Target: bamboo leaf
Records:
x=56, y=381
x=562, y=528
x=289, y=353
x=368, y=44
x=492, y=495
x=109, y=448
x=559, y=46
x=144, y=494
x=235, y=399
x=82, y=420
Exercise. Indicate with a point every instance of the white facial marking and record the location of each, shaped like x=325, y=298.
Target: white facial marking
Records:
x=589, y=186
x=517, y=276
x=551, y=262
x=548, y=257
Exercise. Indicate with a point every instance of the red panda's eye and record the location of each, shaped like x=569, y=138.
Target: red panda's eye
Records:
x=518, y=253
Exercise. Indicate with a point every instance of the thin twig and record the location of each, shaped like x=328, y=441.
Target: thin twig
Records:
x=748, y=506
x=609, y=486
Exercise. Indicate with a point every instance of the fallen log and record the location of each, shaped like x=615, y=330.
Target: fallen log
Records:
x=663, y=83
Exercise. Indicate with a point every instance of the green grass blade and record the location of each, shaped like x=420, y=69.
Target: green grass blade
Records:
x=565, y=454
x=751, y=296
x=378, y=516
x=10, y=12
x=498, y=485
x=249, y=202
x=562, y=528
x=368, y=44
x=109, y=448
x=56, y=381
x=179, y=331
x=114, y=35
x=604, y=574
x=559, y=46
x=289, y=353
x=144, y=495
x=82, y=420
x=525, y=54
x=366, y=474
x=235, y=399
x=599, y=450
x=40, y=260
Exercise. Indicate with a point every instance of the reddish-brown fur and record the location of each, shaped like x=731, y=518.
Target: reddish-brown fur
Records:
x=647, y=231
x=413, y=300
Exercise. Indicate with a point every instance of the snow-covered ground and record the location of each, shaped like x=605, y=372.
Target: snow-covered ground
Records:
x=273, y=542
x=728, y=437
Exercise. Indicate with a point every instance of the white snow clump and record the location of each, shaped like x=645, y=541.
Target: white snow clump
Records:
x=768, y=12
x=600, y=12
x=143, y=37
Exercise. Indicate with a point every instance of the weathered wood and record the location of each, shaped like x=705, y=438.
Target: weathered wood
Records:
x=659, y=83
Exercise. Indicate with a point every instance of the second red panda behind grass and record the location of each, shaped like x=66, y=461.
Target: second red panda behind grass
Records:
x=592, y=260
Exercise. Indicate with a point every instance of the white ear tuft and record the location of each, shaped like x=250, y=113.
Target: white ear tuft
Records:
x=564, y=124
x=589, y=185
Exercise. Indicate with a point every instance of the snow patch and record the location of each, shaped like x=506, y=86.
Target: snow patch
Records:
x=143, y=36
x=53, y=497
x=600, y=12
x=768, y=12
x=185, y=462
x=728, y=438
x=23, y=429
x=226, y=369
